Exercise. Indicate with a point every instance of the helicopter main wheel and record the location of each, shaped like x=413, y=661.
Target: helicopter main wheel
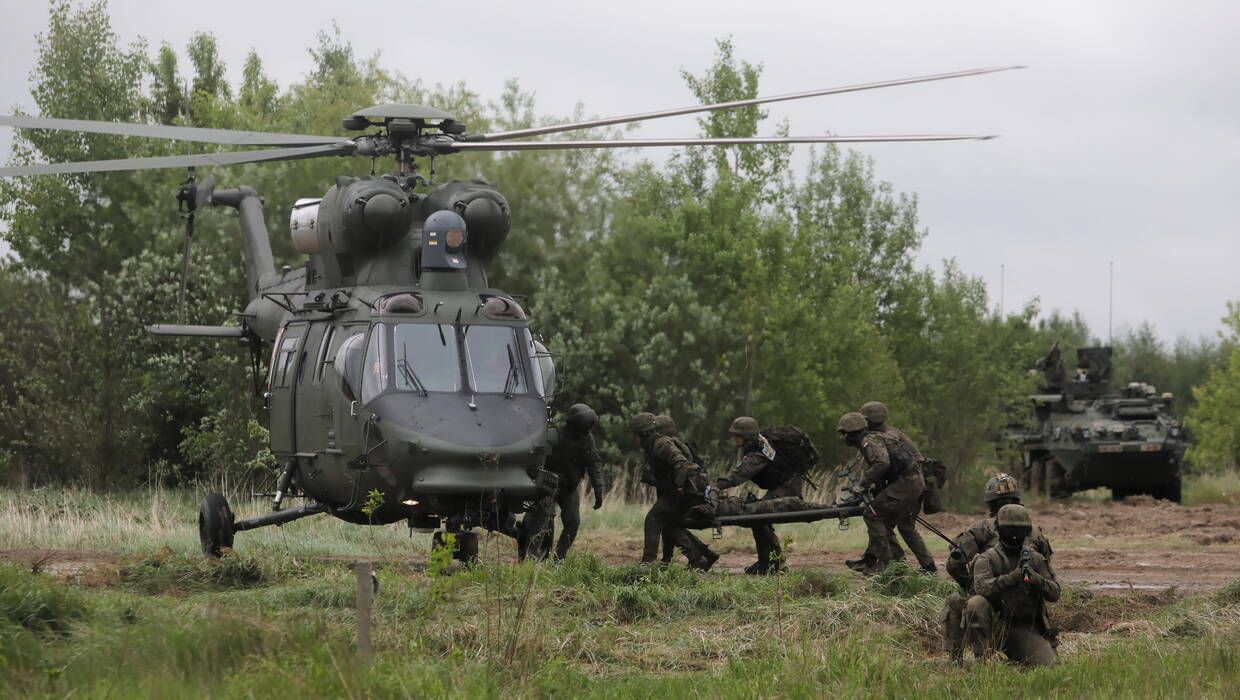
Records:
x=464, y=547
x=215, y=525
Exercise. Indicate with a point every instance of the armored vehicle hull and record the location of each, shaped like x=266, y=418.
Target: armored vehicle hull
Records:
x=1086, y=435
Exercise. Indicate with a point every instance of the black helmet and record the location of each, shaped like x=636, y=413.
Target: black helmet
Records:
x=581, y=418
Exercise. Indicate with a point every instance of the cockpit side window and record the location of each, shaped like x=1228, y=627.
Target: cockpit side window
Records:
x=348, y=364
x=496, y=364
x=377, y=366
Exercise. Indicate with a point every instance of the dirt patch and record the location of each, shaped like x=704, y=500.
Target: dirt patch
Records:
x=77, y=566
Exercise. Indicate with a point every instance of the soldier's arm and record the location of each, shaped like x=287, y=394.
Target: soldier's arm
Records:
x=745, y=470
x=984, y=577
x=1042, y=545
x=667, y=451
x=877, y=462
x=1043, y=577
x=593, y=469
x=988, y=581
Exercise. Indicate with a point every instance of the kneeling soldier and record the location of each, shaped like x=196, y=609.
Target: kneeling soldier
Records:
x=1011, y=585
x=1000, y=490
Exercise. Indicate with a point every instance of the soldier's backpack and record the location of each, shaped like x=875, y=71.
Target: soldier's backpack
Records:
x=795, y=456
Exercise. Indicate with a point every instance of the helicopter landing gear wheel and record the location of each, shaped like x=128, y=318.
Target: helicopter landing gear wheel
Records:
x=464, y=545
x=215, y=525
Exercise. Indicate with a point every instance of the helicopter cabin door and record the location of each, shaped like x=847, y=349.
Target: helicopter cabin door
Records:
x=287, y=359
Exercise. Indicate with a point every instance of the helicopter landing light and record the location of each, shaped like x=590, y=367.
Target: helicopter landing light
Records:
x=409, y=502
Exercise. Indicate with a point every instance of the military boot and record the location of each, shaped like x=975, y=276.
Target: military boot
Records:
x=860, y=564
x=703, y=560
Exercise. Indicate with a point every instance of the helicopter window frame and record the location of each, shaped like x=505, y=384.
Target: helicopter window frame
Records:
x=329, y=334
x=284, y=359
x=519, y=357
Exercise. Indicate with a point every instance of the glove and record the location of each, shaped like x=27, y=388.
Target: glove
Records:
x=598, y=500
x=1010, y=579
x=1035, y=580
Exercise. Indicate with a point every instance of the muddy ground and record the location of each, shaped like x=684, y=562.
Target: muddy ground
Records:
x=1135, y=545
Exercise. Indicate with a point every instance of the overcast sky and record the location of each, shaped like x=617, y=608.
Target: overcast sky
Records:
x=1120, y=143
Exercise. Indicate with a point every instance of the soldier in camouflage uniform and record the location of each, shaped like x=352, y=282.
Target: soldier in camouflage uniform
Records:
x=1000, y=491
x=876, y=420
x=669, y=467
x=892, y=477
x=757, y=464
x=664, y=424
x=573, y=457
x=1012, y=584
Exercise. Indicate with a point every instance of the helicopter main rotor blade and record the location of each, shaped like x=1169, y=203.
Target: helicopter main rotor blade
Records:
x=736, y=141
x=156, y=162
x=608, y=121
x=225, y=137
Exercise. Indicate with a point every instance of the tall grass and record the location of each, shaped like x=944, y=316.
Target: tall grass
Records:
x=591, y=630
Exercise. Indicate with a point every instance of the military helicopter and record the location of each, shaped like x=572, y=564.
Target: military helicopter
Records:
x=400, y=384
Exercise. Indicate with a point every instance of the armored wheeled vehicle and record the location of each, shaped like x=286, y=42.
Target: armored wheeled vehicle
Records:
x=1086, y=434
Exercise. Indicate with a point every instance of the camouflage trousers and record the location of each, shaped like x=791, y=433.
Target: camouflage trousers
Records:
x=664, y=520
x=985, y=631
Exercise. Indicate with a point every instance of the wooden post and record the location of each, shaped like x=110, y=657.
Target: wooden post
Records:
x=365, y=600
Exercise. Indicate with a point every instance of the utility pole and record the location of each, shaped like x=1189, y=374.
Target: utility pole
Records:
x=1110, y=299
x=1002, y=287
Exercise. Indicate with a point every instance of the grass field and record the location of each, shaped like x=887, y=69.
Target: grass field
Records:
x=277, y=619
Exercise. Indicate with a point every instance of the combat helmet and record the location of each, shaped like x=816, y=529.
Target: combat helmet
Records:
x=642, y=423
x=581, y=418
x=665, y=425
x=1014, y=515
x=1003, y=486
x=874, y=412
x=852, y=422
x=744, y=427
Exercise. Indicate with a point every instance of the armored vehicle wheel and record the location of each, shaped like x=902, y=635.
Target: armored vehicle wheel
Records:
x=1170, y=492
x=215, y=525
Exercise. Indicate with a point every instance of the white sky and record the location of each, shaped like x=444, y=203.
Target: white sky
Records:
x=1120, y=143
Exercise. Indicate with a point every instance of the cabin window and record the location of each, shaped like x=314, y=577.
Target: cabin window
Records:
x=324, y=348
x=348, y=364
x=284, y=360
x=496, y=363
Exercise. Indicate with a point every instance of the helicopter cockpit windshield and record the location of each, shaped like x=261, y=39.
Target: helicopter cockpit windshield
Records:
x=424, y=357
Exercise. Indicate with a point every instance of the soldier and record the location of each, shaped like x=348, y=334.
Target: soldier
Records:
x=891, y=476
x=573, y=457
x=1001, y=490
x=669, y=468
x=876, y=420
x=1011, y=585
x=760, y=464
x=664, y=424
